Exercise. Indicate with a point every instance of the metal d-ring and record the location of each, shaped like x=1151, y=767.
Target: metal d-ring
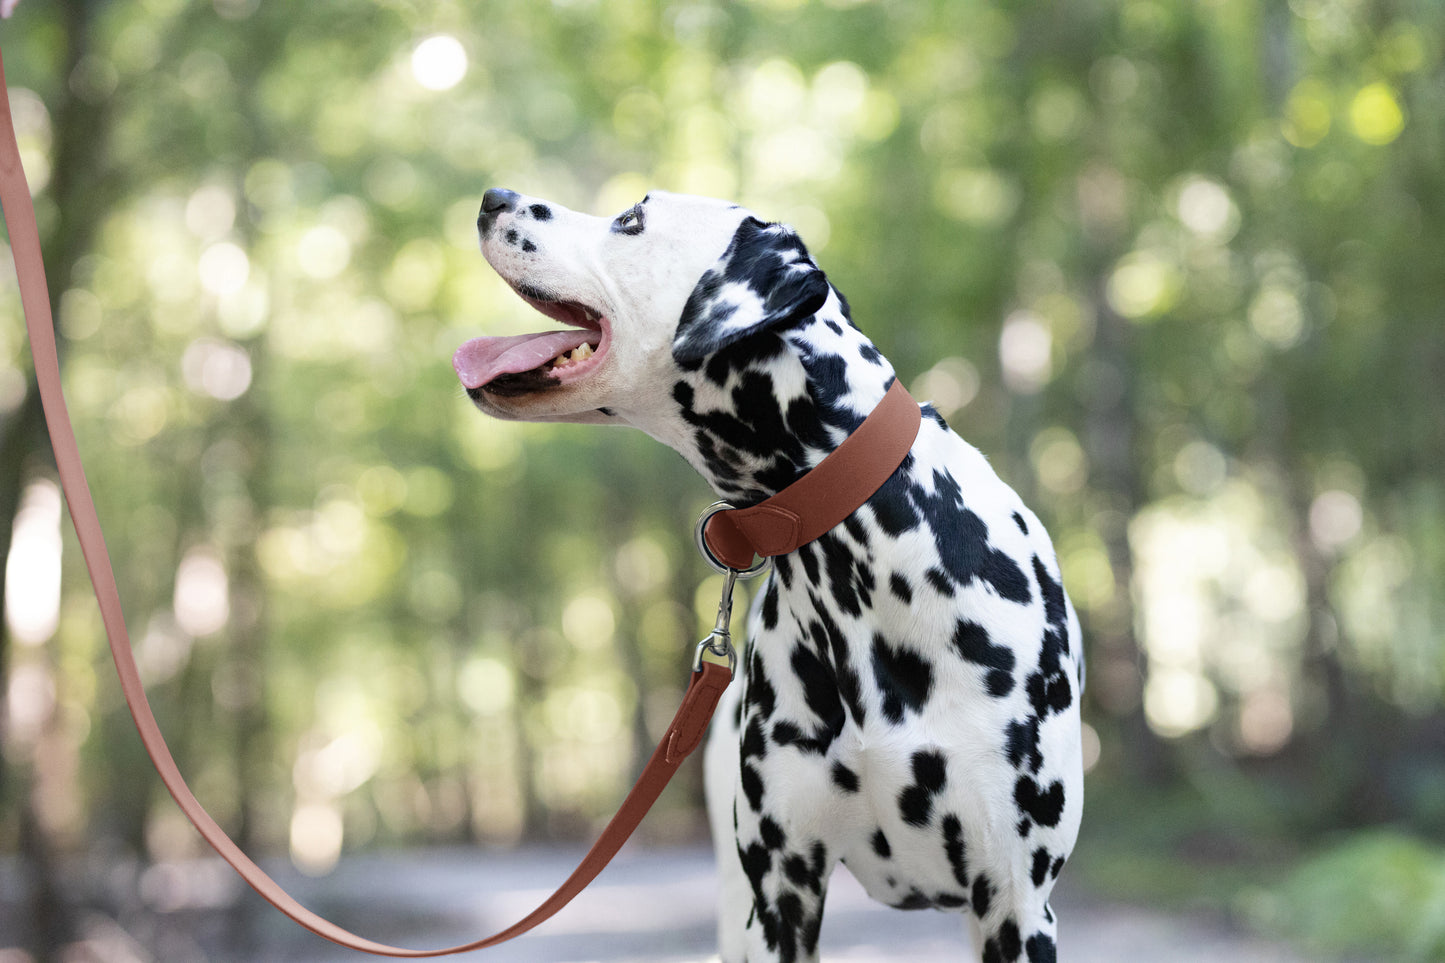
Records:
x=699, y=537
x=719, y=640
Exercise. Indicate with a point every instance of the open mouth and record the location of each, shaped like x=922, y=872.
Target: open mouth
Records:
x=524, y=363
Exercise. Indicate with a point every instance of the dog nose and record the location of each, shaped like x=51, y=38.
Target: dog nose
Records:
x=494, y=202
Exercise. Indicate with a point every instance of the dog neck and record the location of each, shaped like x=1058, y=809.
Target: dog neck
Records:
x=762, y=412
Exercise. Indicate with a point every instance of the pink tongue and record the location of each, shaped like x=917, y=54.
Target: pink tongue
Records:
x=482, y=359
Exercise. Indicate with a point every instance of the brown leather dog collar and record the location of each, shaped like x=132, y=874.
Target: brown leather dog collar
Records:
x=820, y=500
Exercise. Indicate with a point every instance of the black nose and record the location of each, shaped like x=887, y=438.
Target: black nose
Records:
x=495, y=201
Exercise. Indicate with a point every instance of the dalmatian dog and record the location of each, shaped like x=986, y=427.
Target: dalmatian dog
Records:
x=910, y=704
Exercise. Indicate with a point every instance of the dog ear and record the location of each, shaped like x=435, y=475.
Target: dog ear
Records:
x=765, y=279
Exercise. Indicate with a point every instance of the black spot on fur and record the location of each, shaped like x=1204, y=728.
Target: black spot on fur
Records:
x=915, y=802
x=787, y=733
x=791, y=920
x=818, y=865
x=828, y=381
x=831, y=644
x=865, y=583
x=892, y=507
x=811, y=930
x=982, y=895
x=838, y=561
x=954, y=849
x=962, y=541
x=805, y=424
x=904, y=679
x=915, y=900
x=1043, y=806
x=880, y=845
x=752, y=784
x=799, y=872
x=1041, y=949
x=719, y=368
x=790, y=734
x=919, y=900
x=753, y=745
x=810, y=563
x=1005, y=945
x=529, y=247
x=972, y=642
x=1022, y=744
x=940, y=581
x=1019, y=521
x=756, y=860
x=844, y=778
x=760, y=692
x=1048, y=687
x=1053, y=594
x=820, y=691
x=784, y=570
x=900, y=588
x=770, y=605
x=1040, y=871
x=541, y=212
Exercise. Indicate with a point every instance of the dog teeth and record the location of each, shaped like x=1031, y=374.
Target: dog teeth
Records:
x=590, y=315
x=580, y=353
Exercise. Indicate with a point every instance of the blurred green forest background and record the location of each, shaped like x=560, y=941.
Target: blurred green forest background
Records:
x=1168, y=263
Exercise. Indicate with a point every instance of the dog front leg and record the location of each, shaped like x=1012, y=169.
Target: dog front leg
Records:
x=788, y=878
x=771, y=886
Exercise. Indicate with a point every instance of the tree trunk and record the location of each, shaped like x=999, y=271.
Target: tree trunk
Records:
x=1111, y=431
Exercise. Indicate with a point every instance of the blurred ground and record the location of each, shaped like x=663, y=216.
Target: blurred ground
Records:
x=650, y=906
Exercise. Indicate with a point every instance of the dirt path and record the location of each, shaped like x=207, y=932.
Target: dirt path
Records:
x=657, y=907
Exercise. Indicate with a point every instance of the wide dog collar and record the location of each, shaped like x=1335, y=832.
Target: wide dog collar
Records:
x=820, y=500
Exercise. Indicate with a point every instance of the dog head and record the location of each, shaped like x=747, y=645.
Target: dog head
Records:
x=674, y=310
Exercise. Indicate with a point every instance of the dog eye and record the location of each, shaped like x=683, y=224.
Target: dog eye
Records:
x=629, y=221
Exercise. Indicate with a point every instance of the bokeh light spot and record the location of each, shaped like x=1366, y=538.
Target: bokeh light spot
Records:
x=223, y=268
x=1375, y=115
x=439, y=62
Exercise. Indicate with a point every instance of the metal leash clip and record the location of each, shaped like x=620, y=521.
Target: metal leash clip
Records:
x=719, y=640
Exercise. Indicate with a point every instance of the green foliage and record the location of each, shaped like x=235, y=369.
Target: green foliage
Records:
x=1380, y=893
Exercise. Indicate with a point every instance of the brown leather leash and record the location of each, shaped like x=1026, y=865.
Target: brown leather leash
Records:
x=814, y=504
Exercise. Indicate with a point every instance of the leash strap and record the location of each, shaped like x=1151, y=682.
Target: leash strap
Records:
x=819, y=501
x=682, y=737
